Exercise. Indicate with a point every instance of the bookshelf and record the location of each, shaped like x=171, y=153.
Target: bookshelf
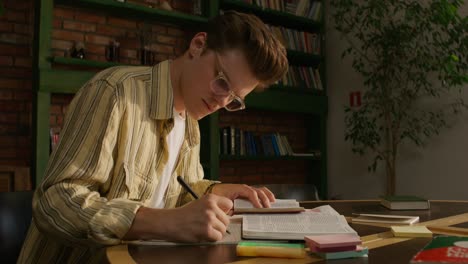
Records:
x=50, y=79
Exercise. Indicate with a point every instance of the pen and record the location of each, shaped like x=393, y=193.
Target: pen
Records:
x=189, y=189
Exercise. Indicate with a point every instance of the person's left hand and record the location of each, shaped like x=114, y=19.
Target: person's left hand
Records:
x=259, y=197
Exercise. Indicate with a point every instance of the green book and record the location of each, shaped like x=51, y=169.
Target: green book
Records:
x=404, y=202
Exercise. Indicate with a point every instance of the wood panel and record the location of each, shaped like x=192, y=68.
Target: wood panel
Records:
x=14, y=179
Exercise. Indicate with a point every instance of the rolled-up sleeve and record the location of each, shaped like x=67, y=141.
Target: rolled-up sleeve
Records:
x=73, y=201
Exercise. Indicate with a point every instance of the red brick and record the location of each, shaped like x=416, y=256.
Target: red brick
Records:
x=11, y=83
x=16, y=72
x=117, y=32
x=7, y=152
x=60, y=12
x=166, y=40
x=61, y=44
x=23, y=29
x=57, y=24
x=175, y=32
x=6, y=95
x=6, y=60
x=67, y=35
x=23, y=141
x=162, y=48
x=128, y=53
x=129, y=43
x=89, y=17
x=11, y=106
x=6, y=27
x=26, y=95
x=122, y=23
x=97, y=39
x=78, y=26
x=15, y=38
x=52, y=120
x=18, y=5
x=55, y=109
x=95, y=49
x=23, y=61
x=8, y=118
x=7, y=141
x=16, y=16
x=159, y=29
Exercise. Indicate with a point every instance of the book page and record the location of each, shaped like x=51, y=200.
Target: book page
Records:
x=294, y=226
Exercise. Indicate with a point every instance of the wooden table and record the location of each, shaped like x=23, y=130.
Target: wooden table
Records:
x=444, y=217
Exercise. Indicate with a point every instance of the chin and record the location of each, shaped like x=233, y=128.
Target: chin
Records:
x=196, y=116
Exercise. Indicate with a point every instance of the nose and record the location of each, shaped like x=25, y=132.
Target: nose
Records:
x=223, y=100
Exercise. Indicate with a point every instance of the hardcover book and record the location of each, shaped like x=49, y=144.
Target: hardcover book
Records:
x=279, y=206
x=404, y=202
x=443, y=249
x=385, y=219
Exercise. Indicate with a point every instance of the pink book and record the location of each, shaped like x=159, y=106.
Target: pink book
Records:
x=331, y=249
x=332, y=241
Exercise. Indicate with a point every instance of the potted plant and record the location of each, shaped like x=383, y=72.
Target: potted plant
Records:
x=406, y=51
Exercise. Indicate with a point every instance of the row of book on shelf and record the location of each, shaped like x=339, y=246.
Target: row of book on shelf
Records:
x=306, y=77
x=298, y=40
x=239, y=142
x=303, y=8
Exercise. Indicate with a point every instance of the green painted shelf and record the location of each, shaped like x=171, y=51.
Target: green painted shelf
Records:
x=83, y=62
x=237, y=157
x=271, y=16
x=138, y=11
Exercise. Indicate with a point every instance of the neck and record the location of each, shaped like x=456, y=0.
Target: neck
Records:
x=176, y=71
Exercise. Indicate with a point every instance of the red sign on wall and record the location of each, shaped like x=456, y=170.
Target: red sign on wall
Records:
x=355, y=99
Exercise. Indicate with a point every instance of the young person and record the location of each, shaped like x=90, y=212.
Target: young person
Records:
x=130, y=131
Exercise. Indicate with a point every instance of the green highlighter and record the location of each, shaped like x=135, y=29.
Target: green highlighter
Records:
x=270, y=249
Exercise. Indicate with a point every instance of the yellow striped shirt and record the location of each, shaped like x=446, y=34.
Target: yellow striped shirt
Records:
x=107, y=164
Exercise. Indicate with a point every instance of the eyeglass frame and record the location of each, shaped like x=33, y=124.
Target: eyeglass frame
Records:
x=230, y=94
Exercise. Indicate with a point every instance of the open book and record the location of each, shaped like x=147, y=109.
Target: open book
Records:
x=279, y=206
x=321, y=220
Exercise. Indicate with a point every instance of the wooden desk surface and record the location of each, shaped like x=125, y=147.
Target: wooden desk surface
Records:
x=383, y=247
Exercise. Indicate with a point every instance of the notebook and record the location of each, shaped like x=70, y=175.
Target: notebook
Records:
x=404, y=202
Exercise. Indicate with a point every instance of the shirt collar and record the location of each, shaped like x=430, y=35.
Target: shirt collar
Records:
x=162, y=97
x=162, y=101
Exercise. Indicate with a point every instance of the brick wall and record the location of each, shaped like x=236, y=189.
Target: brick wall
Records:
x=293, y=126
x=96, y=30
x=16, y=34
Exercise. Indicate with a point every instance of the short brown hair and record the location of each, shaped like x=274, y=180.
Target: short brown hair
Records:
x=265, y=54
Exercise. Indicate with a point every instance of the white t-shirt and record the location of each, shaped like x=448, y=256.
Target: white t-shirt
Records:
x=174, y=139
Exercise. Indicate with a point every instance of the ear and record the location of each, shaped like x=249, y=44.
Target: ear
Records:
x=197, y=44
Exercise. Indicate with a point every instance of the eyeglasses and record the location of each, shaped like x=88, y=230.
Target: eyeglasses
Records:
x=221, y=87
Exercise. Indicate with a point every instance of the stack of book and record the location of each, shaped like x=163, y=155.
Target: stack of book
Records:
x=336, y=246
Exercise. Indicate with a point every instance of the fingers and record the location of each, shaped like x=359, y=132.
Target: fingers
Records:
x=217, y=221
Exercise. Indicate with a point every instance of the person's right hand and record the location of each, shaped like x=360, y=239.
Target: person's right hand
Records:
x=204, y=219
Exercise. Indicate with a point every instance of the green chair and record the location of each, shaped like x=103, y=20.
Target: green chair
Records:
x=15, y=217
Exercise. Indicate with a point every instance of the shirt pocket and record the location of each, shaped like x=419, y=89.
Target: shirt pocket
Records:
x=141, y=182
